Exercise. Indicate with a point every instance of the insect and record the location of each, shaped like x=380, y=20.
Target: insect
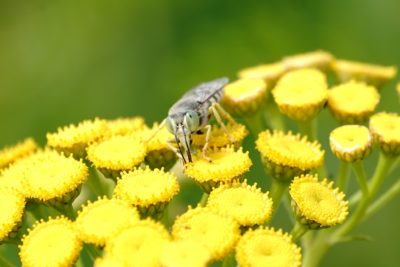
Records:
x=191, y=114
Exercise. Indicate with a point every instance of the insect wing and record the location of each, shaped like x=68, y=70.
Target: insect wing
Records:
x=204, y=91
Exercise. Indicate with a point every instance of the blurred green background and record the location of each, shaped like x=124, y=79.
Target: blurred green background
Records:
x=65, y=61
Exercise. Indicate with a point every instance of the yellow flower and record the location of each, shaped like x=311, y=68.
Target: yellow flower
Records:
x=204, y=226
x=219, y=138
x=148, y=190
x=316, y=59
x=372, y=74
x=108, y=262
x=267, y=247
x=99, y=221
x=12, y=204
x=316, y=203
x=352, y=102
x=244, y=203
x=13, y=176
x=73, y=139
x=116, y=154
x=52, y=243
x=267, y=72
x=385, y=128
x=245, y=96
x=123, y=126
x=351, y=142
x=226, y=165
x=301, y=94
x=9, y=155
x=183, y=253
x=138, y=245
x=287, y=155
x=49, y=175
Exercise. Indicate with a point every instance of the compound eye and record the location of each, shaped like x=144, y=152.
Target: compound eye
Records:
x=192, y=121
x=170, y=125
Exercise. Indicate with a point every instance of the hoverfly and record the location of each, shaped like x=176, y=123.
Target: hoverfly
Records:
x=191, y=114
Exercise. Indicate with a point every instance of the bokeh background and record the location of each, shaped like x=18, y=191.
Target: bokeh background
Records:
x=65, y=61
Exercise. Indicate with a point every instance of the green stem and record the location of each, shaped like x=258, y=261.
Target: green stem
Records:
x=95, y=184
x=313, y=256
x=361, y=176
x=343, y=175
x=307, y=128
x=386, y=197
x=276, y=193
x=229, y=260
x=286, y=203
x=4, y=262
x=384, y=165
x=273, y=117
x=298, y=231
x=92, y=251
x=203, y=200
x=254, y=122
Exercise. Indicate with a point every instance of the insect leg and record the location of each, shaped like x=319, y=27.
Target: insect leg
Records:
x=162, y=124
x=224, y=113
x=208, y=134
x=219, y=120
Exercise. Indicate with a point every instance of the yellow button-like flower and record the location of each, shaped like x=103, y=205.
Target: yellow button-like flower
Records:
x=352, y=102
x=73, y=139
x=138, y=245
x=301, y=94
x=108, y=262
x=245, y=96
x=183, y=253
x=124, y=126
x=219, y=138
x=13, y=176
x=267, y=72
x=9, y=155
x=316, y=203
x=372, y=74
x=49, y=175
x=226, y=165
x=351, y=142
x=204, y=226
x=12, y=204
x=51, y=243
x=116, y=154
x=385, y=128
x=244, y=203
x=99, y=221
x=267, y=247
x=316, y=59
x=148, y=190
x=287, y=155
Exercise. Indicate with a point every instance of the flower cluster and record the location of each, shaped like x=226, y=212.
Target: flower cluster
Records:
x=112, y=192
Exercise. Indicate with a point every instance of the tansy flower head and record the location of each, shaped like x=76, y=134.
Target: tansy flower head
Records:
x=12, y=204
x=244, y=203
x=301, y=94
x=9, y=155
x=183, y=253
x=73, y=139
x=138, y=245
x=108, y=262
x=50, y=175
x=316, y=203
x=267, y=72
x=385, y=128
x=148, y=190
x=226, y=165
x=267, y=247
x=372, y=74
x=51, y=243
x=287, y=155
x=219, y=138
x=352, y=102
x=351, y=142
x=316, y=59
x=116, y=154
x=13, y=176
x=245, y=96
x=123, y=126
x=99, y=221
x=202, y=225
